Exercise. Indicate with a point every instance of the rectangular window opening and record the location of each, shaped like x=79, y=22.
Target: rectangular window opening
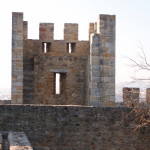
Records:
x=60, y=83
x=57, y=83
x=46, y=46
x=71, y=47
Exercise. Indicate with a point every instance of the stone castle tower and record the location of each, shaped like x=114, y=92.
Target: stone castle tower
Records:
x=64, y=72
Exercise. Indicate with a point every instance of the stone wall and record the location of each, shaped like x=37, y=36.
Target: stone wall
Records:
x=95, y=69
x=46, y=32
x=107, y=29
x=14, y=141
x=75, y=127
x=102, y=61
x=25, y=30
x=17, y=57
x=45, y=57
x=31, y=49
x=5, y=101
x=131, y=96
x=18, y=141
x=40, y=69
x=148, y=96
x=73, y=78
x=71, y=32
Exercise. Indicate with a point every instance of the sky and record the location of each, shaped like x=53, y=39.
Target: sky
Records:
x=132, y=27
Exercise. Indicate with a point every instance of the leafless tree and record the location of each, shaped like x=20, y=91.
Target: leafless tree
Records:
x=141, y=64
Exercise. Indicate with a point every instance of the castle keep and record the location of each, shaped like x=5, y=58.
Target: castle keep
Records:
x=71, y=79
x=64, y=72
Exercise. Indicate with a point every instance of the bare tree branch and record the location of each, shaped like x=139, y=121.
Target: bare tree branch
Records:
x=137, y=64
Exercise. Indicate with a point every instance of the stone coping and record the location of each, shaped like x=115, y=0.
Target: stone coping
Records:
x=47, y=105
x=18, y=141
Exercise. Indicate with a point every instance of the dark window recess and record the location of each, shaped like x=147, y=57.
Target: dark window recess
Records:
x=71, y=47
x=46, y=47
x=60, y=82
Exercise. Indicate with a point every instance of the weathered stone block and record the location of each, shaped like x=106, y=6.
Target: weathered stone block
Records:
x=71, y=32
x=91, y=29
x=46, y=32
x=95, y=73
x=111, y=73
x=97, y=79
x=96, y=103
x=148, y=95
x=96, y=68
x=131, y=96
x=110, y=92
x=25, y=30
x=109, y=79
x=18, y=141
x=96, y=92
x=93, y=85
x=112, y=98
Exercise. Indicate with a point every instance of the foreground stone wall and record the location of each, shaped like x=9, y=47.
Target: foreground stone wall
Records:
x=63, y=127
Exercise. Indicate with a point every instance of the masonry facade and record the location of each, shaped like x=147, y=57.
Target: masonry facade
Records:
x=64, y=72
x=73, y=127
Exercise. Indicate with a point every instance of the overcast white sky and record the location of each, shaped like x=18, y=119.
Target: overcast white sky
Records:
x=132, y=18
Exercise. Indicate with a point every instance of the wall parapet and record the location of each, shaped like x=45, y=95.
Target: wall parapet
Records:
x=79, y=127
x=131, y=97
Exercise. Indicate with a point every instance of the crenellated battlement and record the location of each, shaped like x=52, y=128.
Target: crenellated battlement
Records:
x=71, y=32
x=46, y=32
x=131, y=97
x=104, y=26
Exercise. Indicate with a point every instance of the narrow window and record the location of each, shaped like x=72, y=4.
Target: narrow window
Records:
x=60, y=83
x=71, y=47
x=57, y=83
x=45, y=50
x=70, y=50
x=46, y=47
